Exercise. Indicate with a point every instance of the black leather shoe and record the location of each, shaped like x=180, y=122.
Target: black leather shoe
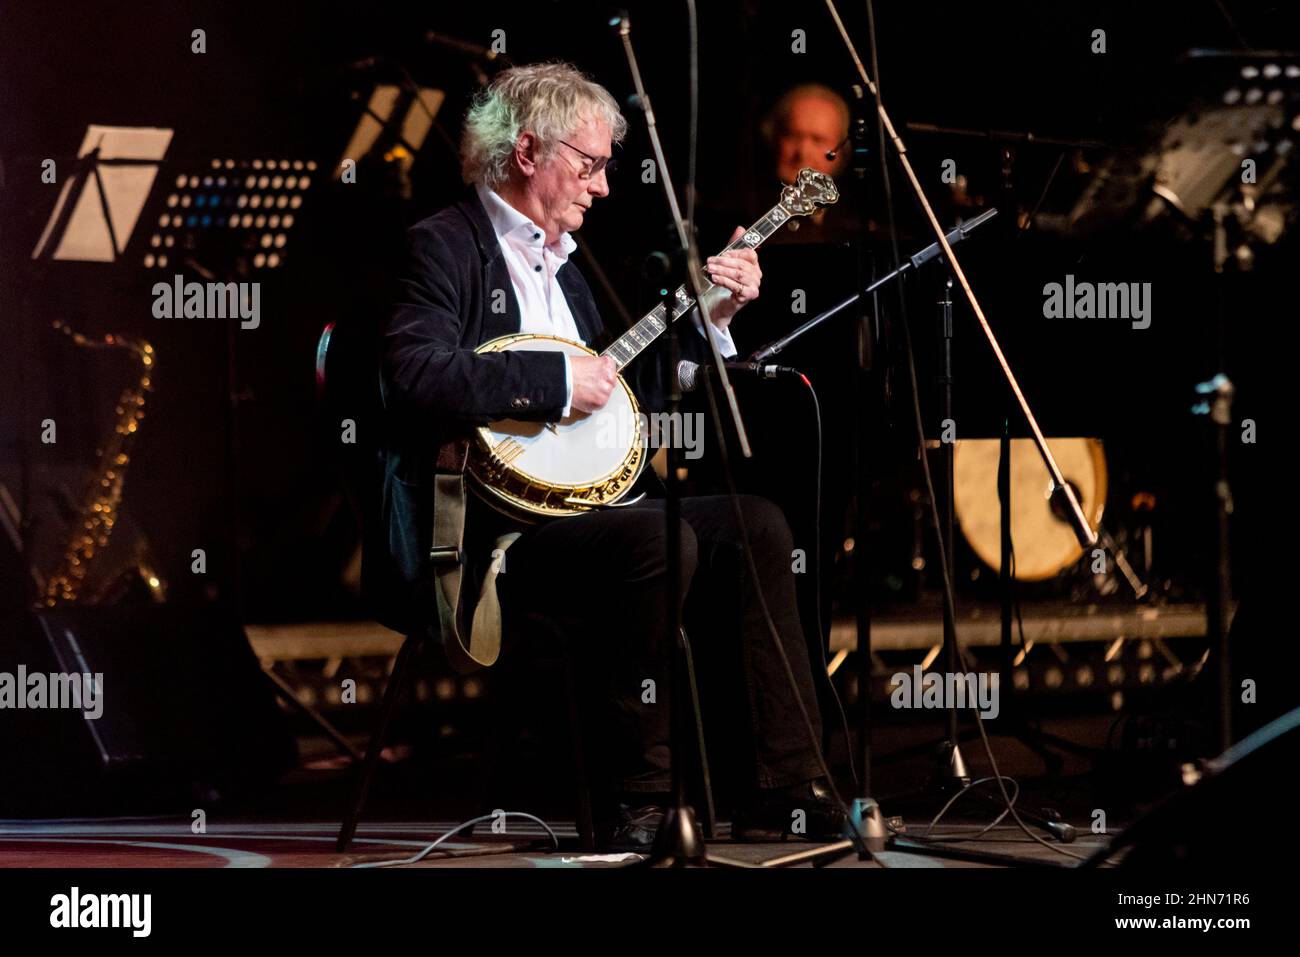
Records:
x=772, y=814
x=634, y=829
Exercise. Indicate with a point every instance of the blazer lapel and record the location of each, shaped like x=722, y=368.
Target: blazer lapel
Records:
x=501, y=313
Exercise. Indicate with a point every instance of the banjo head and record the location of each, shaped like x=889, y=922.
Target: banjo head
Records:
x=1045, y=544
x=536, y=469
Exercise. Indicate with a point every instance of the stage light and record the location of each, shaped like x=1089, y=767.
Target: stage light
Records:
x=304, y=182
x=155, y=240
x=148, y=260
x=295, y=202
x=284, y=164
x=216, y=164
x=257, y=164
x=311, y=165
x=1272, y=71
x=282, y=201
x=250, y=182
x=288, y=220
x=181, y=181
x=297, y=164
x=169, y=241
x=176, y=221
x=185, y=202
x=262, y=181
x=280, y=241
x=255, y=202
x=1250, y=72
x=290, y=182
x=259, y=222
x=1232, y=96
x=230, y=164
x=259, y=260
x=1254, y=95
x=274, y=222
x=207, y=180
x=277, y=182
x=173, y=199
x=246, y=220
x=162, y=261
x=266, y=240
x=273, y=260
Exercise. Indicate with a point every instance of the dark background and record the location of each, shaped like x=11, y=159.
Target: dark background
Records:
x=275, y=82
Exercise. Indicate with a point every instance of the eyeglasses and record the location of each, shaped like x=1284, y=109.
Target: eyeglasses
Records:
x=607, y=163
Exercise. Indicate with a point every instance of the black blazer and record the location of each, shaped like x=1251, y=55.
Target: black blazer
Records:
x=434, y=388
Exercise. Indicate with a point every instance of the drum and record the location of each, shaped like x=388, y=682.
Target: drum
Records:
x=1045, y=544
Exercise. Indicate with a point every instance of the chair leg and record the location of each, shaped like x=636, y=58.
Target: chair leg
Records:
x=392, y=694
x=709, y=824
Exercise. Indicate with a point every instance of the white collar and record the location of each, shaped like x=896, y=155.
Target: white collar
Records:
x=508, y=221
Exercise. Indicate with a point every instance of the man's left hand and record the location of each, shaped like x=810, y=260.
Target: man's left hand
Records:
x=737, y=271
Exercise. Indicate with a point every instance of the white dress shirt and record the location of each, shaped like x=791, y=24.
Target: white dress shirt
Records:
x=532, y=264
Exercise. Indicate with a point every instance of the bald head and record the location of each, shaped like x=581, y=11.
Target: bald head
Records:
x=807, y=122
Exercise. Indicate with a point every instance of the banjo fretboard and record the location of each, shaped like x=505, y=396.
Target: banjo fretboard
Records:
x=631, y=343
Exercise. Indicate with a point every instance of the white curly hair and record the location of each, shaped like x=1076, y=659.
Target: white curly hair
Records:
x=549, y=100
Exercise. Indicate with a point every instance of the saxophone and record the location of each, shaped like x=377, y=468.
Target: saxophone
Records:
x=99, y=513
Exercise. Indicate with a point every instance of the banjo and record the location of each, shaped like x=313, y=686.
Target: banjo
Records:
x=538, y=470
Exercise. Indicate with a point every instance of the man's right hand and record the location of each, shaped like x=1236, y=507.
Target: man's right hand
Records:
x=594, y=378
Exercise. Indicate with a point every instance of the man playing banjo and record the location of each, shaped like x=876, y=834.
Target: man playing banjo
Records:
x=535, y=149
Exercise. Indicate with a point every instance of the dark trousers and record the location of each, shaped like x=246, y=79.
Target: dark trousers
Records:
x=602, y=576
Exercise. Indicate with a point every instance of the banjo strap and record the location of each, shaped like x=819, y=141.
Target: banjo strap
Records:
x=482, y=645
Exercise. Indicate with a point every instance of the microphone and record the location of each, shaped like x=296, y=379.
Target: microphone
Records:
x=688, y=372
x=471, y=50
x=832, y=153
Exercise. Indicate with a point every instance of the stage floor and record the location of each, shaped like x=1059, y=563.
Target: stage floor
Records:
x=110, y=843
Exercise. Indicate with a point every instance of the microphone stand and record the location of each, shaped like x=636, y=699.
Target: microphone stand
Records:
x=679, y=841
x=1062, y=496
x=866, y=810
x=920, y=259
x=1061, y=493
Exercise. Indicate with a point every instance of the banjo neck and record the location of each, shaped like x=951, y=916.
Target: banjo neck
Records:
x=646, y=330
